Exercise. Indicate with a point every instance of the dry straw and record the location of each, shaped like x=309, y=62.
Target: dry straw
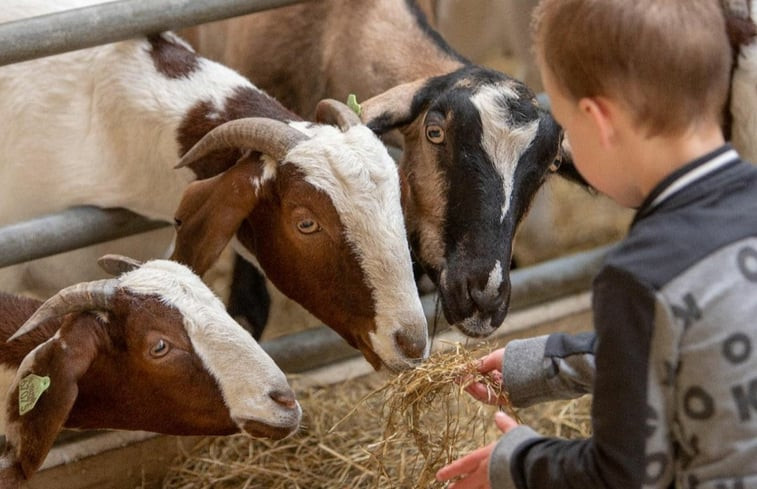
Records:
x=369, y=433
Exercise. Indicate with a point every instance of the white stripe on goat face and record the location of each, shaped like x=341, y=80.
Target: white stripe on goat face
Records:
x=355, y=170
x=503, y=143
x=244, y=371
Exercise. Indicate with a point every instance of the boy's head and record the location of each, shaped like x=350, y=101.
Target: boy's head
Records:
x=667, y=61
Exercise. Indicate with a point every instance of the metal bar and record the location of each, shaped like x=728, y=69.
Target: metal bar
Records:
x=547, y=281
x=58, y=32
x=68, y=230
x=298, y=352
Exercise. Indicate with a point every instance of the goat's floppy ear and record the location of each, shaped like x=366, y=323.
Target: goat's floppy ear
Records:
x=212, y=210
x=46, y=384
x=391, y=109
x=566, y=168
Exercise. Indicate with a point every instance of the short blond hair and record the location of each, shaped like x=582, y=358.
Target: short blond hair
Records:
x=669, y=61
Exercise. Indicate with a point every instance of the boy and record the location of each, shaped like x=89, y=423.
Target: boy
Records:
x=639, y=87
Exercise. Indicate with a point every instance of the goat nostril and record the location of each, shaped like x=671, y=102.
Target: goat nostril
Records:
x=487, y=300
x=411, y=346
x=284, y=398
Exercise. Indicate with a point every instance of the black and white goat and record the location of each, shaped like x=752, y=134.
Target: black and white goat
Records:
x=152, y=349
x=477, y=145
x=317, y=204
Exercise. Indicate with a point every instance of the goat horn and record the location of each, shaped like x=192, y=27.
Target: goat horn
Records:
x=118, y=264
x=330, y=111
x=267, y=136
x=86, y=296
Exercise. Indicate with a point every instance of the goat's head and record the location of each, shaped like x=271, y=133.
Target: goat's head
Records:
x=152, y=350
x=477, y=146
x=319, y=209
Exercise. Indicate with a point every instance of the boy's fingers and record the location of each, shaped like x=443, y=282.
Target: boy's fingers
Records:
x=504, y=422
x=463, y=465
x=480, y=392
x=477, y=480
x=492, y=361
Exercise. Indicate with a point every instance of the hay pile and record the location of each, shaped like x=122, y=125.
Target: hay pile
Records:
x=368, y=433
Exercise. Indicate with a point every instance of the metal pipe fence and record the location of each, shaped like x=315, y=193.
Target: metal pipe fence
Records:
x=84, y=27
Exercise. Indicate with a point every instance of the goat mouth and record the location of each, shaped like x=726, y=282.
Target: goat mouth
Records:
x=473, y=317
x=259, y=429
x=481, y=325
x=371, y=356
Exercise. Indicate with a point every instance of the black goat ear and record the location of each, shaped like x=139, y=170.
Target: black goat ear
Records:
x=566, y=168
x=391, y=109
x=118, y=264
x=42, y=395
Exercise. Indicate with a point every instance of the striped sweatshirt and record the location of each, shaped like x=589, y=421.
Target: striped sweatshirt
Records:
x=672, y=361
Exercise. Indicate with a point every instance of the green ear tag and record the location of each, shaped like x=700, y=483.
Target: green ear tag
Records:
x=30, y=389
x=352, y=104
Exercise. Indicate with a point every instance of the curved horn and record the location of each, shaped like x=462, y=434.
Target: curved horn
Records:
x=330, y=111
x=118, y=264
x=86, y=296
x=268, y=136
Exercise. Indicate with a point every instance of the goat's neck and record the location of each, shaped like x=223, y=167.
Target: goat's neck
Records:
x=373, y=63
x=363, y=47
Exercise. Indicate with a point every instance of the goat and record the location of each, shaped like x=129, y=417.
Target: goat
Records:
x=477, y=145
x=152, y=349
x=318, y=206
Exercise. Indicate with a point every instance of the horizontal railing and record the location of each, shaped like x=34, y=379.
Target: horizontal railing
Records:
x=297, y=352
x=55, y=33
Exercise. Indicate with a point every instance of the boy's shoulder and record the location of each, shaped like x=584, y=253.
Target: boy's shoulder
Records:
x=705, y=215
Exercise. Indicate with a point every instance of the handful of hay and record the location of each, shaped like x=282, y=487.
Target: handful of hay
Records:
x=427, y=408
x=366, y=433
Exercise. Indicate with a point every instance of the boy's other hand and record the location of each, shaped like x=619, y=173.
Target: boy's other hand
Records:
x=491, y=365
x=473, y=469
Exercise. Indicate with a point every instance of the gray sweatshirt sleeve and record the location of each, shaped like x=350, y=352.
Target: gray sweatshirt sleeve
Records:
x=614, y=456
x=548, y=368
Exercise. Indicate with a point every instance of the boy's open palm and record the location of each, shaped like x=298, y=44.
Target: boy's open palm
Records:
x=473, y=469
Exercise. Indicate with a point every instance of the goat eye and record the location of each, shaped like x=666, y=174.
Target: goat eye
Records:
x=435, y=133
x=308, y=226
x=159, y=349
x=555, y=166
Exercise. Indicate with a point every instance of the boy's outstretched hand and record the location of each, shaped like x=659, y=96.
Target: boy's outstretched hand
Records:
x=473, y=469
x=490, y=364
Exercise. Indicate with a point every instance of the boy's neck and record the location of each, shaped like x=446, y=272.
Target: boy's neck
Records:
x=659, y=156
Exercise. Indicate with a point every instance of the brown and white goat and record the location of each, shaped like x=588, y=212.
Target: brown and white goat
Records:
x=152, y=349
x=477, y=145
x=317, y=204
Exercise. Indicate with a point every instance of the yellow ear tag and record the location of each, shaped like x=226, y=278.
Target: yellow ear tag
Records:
x=352, y=104
x=30, y=389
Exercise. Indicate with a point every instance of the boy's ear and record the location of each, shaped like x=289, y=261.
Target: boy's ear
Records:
x=601, y=115
x=46, y=382
x=212, y=210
